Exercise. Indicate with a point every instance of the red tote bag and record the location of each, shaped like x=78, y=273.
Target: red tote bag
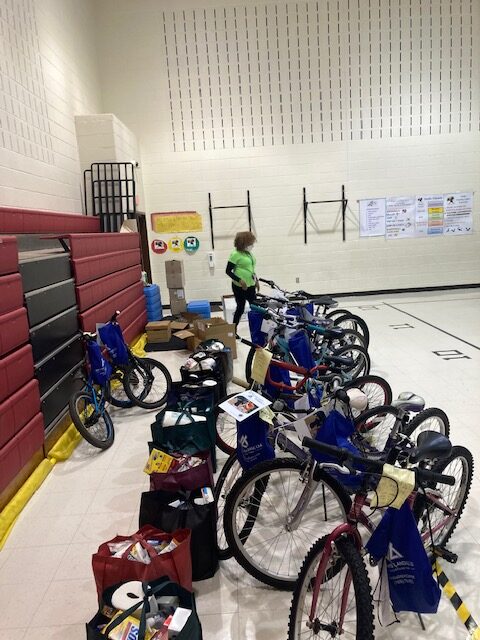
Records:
x=176, y=564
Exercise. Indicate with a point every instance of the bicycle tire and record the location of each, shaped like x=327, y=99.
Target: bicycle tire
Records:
x=422, y=418
x=259, y=478
x=377, y=390
x=222, y=487
x=446, y=467
x=226, y=439
x=359, y=325
x=363, y=353
x=375, y=425
x=248, y=365
x=362, y=628
x=142, y=367
x=84, y=423
x=350, y=336
x=337, y=312
x=117, y=377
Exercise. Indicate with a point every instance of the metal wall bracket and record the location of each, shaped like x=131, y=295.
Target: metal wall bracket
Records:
x=306, y=202
x=211, y=209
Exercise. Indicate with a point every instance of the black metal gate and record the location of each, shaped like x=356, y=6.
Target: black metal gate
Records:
x=109, y=187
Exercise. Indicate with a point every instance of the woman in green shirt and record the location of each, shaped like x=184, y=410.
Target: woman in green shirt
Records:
x=241, y=269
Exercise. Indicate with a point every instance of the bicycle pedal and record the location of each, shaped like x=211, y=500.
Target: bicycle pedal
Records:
x=446, y=555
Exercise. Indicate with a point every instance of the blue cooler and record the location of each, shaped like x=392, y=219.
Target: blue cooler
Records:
x=202, y=307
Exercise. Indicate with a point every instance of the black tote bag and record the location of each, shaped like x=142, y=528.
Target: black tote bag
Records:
x=155, y=510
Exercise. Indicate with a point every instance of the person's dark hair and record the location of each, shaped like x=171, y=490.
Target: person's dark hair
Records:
x=244, y=239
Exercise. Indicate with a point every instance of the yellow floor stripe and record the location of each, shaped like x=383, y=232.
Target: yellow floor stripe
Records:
x=463, y=613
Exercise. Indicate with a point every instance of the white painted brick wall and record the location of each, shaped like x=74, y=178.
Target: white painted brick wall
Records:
x=135, y=87
x=61, y=37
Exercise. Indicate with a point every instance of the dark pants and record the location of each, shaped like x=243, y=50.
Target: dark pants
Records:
x=241, y=296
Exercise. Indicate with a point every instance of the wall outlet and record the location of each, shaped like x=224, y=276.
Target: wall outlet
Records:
x=297, y=280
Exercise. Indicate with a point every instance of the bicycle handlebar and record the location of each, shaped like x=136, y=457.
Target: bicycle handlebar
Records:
x=344, y=455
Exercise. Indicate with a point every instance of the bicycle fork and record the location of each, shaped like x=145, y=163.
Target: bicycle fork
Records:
x=295, y=516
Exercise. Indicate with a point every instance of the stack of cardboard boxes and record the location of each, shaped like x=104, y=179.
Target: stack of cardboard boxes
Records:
x=176, y=286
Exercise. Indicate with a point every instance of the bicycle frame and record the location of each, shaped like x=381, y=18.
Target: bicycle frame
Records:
x=355, y=517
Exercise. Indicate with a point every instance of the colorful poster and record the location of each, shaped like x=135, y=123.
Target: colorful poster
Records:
x=191, y=244
x=175, y=244
x=176, y=222
x=429, y=215
x=458, y=210
x=159, y=246
x=400, y=217
x=372, y=217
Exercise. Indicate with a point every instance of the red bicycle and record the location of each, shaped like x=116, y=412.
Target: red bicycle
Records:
x=332, y=597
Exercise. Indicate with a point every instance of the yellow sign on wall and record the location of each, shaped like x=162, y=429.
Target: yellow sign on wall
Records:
x=176, y=222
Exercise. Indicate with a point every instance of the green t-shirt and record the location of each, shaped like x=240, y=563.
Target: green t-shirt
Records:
x=244, y=266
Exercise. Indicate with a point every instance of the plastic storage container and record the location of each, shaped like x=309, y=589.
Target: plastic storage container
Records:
x=202, y=307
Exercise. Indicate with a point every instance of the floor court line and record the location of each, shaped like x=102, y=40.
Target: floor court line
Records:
x=452, y=335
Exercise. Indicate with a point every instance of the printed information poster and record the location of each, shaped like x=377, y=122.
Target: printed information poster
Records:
x=458, y=208
x=372, y=218
x=400, y=217
x=429, y=215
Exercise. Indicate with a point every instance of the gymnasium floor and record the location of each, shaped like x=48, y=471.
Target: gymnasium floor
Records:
x=426, y=343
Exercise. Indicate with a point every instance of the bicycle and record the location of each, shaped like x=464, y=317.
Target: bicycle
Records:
x=320, y=306
x=146, y=381
x=295, y=486
x=87, y=406
x=334, y=565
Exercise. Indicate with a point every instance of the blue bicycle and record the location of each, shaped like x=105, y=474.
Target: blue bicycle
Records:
x=87, y=407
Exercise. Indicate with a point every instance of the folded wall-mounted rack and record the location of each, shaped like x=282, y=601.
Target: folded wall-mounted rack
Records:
x=306, y=203
x=211, y=209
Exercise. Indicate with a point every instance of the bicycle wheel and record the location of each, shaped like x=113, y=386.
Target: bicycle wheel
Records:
x=375, y=425
x=147, y=382
x=248, y=365
x=346, y=579
x=229, y=474
x=261, y=507
x=377, y=390
x=94, y=425
x=336, y=313
x=115, y=391
x=350, y=337
x=432, y=419
x=226, y=427
x=351, y=321
x=452, y=498
x=360, y=357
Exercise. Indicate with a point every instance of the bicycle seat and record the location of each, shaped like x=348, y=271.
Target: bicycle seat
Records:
x=431, y=445
x=89, y=335
x=409, y=401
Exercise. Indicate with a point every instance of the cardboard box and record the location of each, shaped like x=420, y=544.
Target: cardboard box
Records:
x=157, y=325
x=174, y=274
x=178, y=326
x=190, y=338
x=159, y=336
x=178, y=303
x=217, y=328
x=190, y=317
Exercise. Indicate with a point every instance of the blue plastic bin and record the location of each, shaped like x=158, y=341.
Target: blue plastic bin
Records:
x=154, y=312
x=151, y=291
x=202, y=307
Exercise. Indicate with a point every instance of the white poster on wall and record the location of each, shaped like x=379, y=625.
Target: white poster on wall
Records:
x=429, y=215
x=372, y=217
x=458, y=208
x=400, y=217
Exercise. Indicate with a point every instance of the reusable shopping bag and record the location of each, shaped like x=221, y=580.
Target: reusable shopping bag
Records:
x=299, y=346
x=176, y=564
x=101, y=369
x=255, y=321
x=410, y=579
x=186, y=435
x=188, y=480
x=252, y=442
x=100, y=626
x=112, y=337
x=337, y=430
x=171, y=511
